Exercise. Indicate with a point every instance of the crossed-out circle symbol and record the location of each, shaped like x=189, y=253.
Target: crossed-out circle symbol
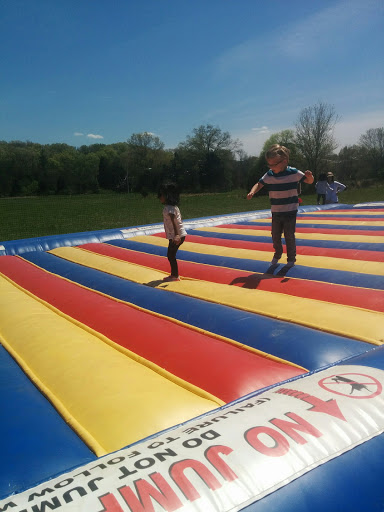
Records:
x=353, y=385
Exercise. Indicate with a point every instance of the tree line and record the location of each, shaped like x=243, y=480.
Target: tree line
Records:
x=209, y=160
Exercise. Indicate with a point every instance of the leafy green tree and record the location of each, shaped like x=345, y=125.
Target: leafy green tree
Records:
x=92, y=148
x=243, y=170
x=42, y=174
x=184, y=170
x=214, y=151
x=207, y=138
x=145, y=140
x=66, y=175
x=111, y=172
x=5, y=174
x=52, y=175
x=285, y=138
x=22, y=168
x=372, y=144
x=142, y=161
x=87, y=168
x=349, y=165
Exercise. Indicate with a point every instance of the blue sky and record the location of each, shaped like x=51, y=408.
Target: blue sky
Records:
x=84, y=72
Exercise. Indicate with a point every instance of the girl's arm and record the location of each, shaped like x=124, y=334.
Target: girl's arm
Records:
x=177, y=237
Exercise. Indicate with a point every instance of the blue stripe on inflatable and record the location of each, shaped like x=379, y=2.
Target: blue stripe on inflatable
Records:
x=46, y=243
x=309, y=348
x=299, y=271
x=351, y=482
x=35, y=442
x=350, y=227
x=360, y=469
x=374, y=358
x=232, y=236
x=355, y=207
x=307, y=242
x=357, y=216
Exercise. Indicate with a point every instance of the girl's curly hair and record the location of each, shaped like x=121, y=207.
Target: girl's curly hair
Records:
x=170, y=192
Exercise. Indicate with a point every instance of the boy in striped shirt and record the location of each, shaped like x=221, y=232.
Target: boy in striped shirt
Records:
x=281, y=181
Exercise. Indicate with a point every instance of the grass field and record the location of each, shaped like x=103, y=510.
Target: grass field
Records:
x=38, y=216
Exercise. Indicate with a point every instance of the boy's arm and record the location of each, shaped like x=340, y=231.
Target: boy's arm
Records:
x=256, y=187
x=308, y=177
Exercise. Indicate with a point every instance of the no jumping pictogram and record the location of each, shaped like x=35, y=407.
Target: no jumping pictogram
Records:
x=353, y=385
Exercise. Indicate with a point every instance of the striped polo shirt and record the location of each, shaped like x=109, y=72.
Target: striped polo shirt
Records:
x=282, y=189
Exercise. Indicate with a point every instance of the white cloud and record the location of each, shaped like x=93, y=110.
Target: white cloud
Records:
x=261, y=130
x=338, y=23
x=89, y=135
x=93, y=136
x=242, y=56
x=329, y=27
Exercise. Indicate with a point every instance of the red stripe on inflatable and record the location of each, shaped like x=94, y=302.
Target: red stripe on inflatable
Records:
x=349, y=254
x=223, y=369
x=334, y=293
x=302, y=229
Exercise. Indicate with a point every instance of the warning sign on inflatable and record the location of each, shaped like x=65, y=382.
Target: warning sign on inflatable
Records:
x=229, y=458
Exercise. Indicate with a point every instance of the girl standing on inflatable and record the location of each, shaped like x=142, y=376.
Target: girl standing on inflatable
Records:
x=173, y=225
x=321, y=188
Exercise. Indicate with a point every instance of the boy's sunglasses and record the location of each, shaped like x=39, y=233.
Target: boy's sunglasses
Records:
x=276, y=164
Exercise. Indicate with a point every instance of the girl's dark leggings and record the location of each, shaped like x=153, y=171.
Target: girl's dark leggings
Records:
x=171, y=255
x=322, y=197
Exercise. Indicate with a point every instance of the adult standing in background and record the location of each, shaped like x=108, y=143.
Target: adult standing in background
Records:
x=333, y=188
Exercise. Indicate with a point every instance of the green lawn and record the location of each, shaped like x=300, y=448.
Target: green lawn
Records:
x=37, y=216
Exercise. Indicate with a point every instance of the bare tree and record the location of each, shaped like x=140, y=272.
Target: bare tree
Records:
x=314, y=135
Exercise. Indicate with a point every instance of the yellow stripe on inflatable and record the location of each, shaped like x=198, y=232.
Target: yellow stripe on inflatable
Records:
x=300, y=236
x=110, y=399
x=369, y=267
x=346, y=321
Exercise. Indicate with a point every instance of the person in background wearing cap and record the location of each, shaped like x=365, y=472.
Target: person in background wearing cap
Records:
x=334, y=187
